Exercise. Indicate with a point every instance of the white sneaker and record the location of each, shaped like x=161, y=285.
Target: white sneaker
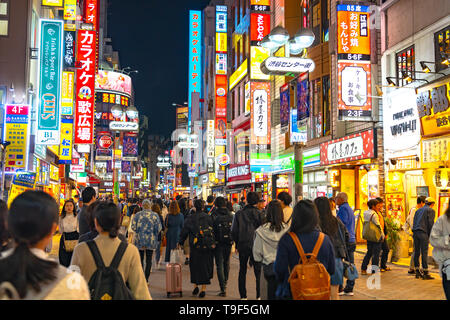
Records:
x=258, y=298
x=350, y=294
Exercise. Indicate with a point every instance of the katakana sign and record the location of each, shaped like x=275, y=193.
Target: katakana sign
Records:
x=195, y=57
x=91, y=13
x=283, y=66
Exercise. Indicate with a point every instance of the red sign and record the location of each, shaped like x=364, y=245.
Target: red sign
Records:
x=350, y=148
x=260, y=26
x=105, y=141
x=237, y=172
x=221, y=106
x=17, y=110
x=85, y=97
x=91, y=13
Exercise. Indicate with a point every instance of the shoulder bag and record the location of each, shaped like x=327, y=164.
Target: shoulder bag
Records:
x=350, y=271
x=69, y=245
x=371, y=231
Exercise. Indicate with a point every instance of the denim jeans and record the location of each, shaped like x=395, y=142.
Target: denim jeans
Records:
x=420, y=249
x=384, y=254
x=244, y=257
x=373, y=252
x=222, y=256
x=148, y=261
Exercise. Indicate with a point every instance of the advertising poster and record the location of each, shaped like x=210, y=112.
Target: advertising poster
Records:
x=17, y=131
x=284, y=108
x=303, y=97
x=50, y=75
x=221, y=63
x=126, y=166
x=85, y=88
x=113, y=81
x=70, y=9
x=130, y=147
x=257, y=56
x=66, y=146
x=210, y=145
x=354, y=91
x=67, y=93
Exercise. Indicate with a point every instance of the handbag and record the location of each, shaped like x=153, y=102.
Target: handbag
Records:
x=268, y=270
x=350, y=271
x=371, y=231
x=125, y=221
x=69, y=245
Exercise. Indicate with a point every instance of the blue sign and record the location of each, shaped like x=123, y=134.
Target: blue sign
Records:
x=221, y=21
x=26, y=180
x=195, y=57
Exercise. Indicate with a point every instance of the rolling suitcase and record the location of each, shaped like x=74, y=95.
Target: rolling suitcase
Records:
x=173, y=279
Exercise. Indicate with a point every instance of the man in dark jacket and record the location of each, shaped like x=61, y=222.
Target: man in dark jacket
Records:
x=210, y=204
x=222, y=232
x=245, y=222
x=88, y=197
x=422, y=225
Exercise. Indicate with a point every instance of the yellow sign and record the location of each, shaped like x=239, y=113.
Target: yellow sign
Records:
x=239, y=74
x=70, y=9
x=65, y=148
x=258, y=55
x=433, y=104
x=247, y=98
x=14, y=192
x=221, y=42
x=52, y=3
x=54, y=149
x=54, y=172
x=67, y=93
x=70, y=27
x=260, y=2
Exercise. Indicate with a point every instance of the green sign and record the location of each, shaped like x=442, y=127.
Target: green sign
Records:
x=283, y=163
x=50, y=77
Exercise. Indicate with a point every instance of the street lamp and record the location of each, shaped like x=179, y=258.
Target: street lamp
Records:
x=4, y=145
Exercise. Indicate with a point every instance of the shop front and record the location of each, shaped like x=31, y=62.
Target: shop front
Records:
x=262, y=184
x=433, y=103
x=283, y=175
x=316, y=182
x=239, y=181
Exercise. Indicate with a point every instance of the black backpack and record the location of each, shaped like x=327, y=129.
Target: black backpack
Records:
x=223, y=223
x=107, y=283
x=204, y=238
x=247, y=227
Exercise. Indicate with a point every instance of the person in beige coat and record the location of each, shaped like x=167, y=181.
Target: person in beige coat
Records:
x=107, y=217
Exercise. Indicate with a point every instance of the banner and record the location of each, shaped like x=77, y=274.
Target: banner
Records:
x=85, y=99
x=66, y=146
x=17, y=131
x=195, y=57
x=67, y=93
x=284, y=108
x=50, y=75
x=91, y=13
x=303, y=97
x=69, y=49
x=130, y=147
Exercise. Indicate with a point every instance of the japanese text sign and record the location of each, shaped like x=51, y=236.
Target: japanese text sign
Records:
x=221, y=19
x=195, y=56
x=354, y=91
x=52, y=3
x=435, y=150
x=260, y=120
x=221, y=106
x=17, y=131
x=433, y=104
x=91, y=13
x=221, y=63
x=353, y=32
x=113, y=81
x=69, y=49
x=239, y=74
x=210, y=145
x=50, y=75
x=70, y=9
x=67, y=93
x=66, y=146
x=85, y=98
x=260, y=26
x=350, y=148
x=221, y=42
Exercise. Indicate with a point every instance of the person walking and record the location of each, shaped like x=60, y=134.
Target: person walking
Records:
x=440, y=240
x=183, y=203
x=347, y=217
x=173, y=223
x=242, y=203
x=222, y=222
x=407, y=227
x=147, y=226
x=422, y=225
x=26, y=271
x=373, y=248
x=305, y=225
x=157, y=209
x=107, y=219
x=201, y=264
x=333, y=206
x=245, y=223
x=68, y=228
x=210, y=204
x=266, y=241
x=88, y=197
x=384, y=244
x=285, y=200
x=230, y=208
x=164, y=210
x=236, y=206
x=336, y=230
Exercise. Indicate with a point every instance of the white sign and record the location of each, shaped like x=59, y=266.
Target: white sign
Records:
x=353, y=147
x=221, y=142
x=260, y=121
x=76, y=168
x=163, y=164
x=221, y=63
x=188, y=145
x=401, y=122
x=354, y=95
x=282, y=65
x=123, y=126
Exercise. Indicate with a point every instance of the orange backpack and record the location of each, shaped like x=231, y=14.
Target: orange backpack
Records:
x=309, y=280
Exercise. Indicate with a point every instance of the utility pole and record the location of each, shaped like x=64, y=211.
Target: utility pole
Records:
x=298, y=160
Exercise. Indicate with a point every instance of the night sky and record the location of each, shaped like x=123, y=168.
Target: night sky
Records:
x=152, y=37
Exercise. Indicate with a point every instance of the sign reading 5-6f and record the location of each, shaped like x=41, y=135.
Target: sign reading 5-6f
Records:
x=50, y=75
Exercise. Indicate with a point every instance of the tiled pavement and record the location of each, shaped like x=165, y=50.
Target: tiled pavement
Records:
x=393, y=285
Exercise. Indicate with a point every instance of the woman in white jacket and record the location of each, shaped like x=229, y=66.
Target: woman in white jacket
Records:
x=265, y=246
x=440, y=240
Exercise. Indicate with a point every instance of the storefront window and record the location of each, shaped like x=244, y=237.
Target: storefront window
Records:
x=405, y=61
x=4, y=18
x=442, y=47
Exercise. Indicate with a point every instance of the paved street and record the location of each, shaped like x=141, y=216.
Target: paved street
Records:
x=393, y=285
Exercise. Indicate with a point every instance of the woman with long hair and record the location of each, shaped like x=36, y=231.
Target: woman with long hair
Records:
x=336, y=230
x=69, y=230
x=265, y=246
x=107, y=223
x=174, y=223
x=305, y=226
x=157, y=209
x=201, y=263
x=26, y=271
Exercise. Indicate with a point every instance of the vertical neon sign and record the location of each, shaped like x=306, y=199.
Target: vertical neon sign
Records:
x=195, y=57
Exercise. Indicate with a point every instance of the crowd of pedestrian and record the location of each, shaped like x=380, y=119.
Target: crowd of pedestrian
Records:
x=104, y=243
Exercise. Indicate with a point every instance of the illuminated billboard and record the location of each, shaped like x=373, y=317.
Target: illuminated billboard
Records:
x=113, y=81
x=257, y=56
x=260, y=26
x=195, y=57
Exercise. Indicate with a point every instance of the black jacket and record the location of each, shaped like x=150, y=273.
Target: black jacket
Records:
x=220, y=215
x=191, y=227
x=340, y=242
x=245, y=223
